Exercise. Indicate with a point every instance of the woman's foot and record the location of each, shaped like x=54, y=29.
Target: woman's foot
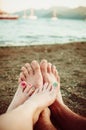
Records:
x=27, y=114
x=22, y=94
x=32, y=78
x=50, y=75
x=32, y=74
x=40, y=99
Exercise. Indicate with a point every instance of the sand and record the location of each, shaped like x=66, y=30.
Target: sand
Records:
x=70, y=60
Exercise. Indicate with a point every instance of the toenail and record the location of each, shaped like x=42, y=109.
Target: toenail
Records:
x=33, y=88
x=23, y=84
x=30, y=85
x=55, y=84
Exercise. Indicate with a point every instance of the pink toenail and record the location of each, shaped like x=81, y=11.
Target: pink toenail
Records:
x=23, y=84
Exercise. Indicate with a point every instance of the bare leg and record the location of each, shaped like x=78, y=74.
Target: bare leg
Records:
x=32, y=76
x=44, y=122
x=50, y=75
x=29, y=111
x=60, y=112
x=20, y=97
x=28, y=76
x=67, y=119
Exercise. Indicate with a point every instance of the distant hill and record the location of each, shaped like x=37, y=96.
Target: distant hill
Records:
x=62, y=12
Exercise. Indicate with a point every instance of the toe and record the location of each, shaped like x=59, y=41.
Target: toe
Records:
x=21, y=77
x=49, y=66
x=43, y=66
x=25, y=72
x=58, y=78
x=54, y=70
x=26, y=90
x=35, y=66
x=29, y=68
x=31, y=91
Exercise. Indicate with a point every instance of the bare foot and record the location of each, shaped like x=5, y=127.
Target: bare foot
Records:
x=21, y=95
x=40, y=99
x=33, y=77
x=29, y=110
x=50, y=75
x=32, y=74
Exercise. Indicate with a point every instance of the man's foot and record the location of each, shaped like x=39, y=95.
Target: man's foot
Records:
x=32, y=74
x=22, y=94
x=50, y=75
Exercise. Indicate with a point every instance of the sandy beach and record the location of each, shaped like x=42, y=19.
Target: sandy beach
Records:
x=70, y=60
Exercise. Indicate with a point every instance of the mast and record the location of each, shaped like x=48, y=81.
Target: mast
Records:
x=25, y=14
x=54, y=14
x=32, y=14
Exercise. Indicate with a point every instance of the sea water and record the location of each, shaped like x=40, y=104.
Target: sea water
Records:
x=41, y=31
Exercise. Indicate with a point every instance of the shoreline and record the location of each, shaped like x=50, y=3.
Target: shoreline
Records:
x=37, y=44
x=70, y=60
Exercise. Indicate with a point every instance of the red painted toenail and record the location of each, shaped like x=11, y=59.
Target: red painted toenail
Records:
x=23, y=84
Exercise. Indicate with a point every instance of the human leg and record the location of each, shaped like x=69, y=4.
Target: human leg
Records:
x=44, y=122
x=61, y=114
x=21, y=95
x=67, y=119
x=29, y=111
x=27, y=73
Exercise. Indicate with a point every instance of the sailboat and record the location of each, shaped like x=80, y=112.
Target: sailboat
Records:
x=32, y=15
x=25, y=15
x=54, y=14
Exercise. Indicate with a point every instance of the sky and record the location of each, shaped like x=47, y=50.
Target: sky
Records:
x=17, y=5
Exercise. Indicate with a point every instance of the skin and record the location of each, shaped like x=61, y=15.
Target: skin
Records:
x=30, y=74
x=53, y=78
x=38, y=101
x=44, y=122
x=21, y=95
x=58, y=110
x=61, y=114
x=50, y=75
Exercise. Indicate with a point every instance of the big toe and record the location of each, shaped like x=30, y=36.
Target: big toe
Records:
x=35, y=66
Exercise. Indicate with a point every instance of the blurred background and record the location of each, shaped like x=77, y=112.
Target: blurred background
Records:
x=34, y=22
